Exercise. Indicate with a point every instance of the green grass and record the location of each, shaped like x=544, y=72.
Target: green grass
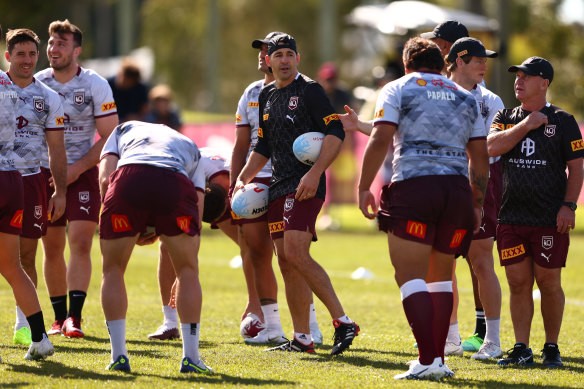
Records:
x=380, y=351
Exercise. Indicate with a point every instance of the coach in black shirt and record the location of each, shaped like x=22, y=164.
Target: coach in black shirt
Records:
x=537, y=141
x=290, y=106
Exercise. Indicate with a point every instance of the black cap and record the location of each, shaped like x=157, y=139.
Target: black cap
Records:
x=535, y=66
x=469, y=46
x=450, y=31
x=281, y=41
x=257, y=44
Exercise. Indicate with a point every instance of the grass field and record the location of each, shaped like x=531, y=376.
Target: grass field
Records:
x=378, y=353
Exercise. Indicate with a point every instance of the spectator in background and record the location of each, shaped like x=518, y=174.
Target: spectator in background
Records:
x=162, y=110
x=130, y=93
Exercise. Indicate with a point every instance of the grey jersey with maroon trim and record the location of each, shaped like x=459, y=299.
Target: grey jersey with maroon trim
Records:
x=213, y=163
x=534, y=170
x=8, y=99
x=489, y=104
x=85, y=97
x=435, y=119
x=39, y=110
x=156, y=145
x=248, y=114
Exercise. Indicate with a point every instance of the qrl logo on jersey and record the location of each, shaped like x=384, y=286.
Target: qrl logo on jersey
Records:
x=120, y=223
x=38, y=211
x=293, y=103
x=550, y=130
x=416, y=229
x=79, y=96
x=577, y=145
x=84, y=197
x=39, y=103
x=528, y=147
x=547, y=242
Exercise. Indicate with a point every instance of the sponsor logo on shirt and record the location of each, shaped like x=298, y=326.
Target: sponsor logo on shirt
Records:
x=327, y=119
x=497, y=126
x=79, y=96
x=509, y=126
x=253, y=104
x=550, y=130
x=237, y=118
x=276, y=226
x=184, y=223
x=59, y=121
x=417, y=229
x=293, y=103
x=379, y=114
x=120, y=223
x=16, y=220
x=108, y=106
x=266, y=116
x=421, y=82
x=577, y=145
x=512, y=252
x=39, y=103
x=457, y=238
x=260, y=132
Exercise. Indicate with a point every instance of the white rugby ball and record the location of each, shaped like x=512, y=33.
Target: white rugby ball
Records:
x=251, y=201
x=251, y=326
x=307, y=147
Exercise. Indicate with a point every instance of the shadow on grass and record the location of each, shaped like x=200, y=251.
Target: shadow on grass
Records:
x=486, y=383
x=61, y=371
x=223, y=379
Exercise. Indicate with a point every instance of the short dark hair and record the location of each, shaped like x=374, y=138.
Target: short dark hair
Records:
x=214, y=204
x=20, y=35
x=61, y=27
x=422, y=53
x=452, y=66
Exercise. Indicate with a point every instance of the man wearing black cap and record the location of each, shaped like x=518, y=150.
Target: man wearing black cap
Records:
x=537, y=141
x=445, y=34
x=467, y=64
x=289, y=107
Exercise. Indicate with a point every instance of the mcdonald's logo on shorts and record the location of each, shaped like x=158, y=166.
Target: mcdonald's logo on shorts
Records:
x=16, y=220
x=120, y=223
x=184, y=223
x=417, y=229
x=276, y=227
x=457, y=238
x=512, y=252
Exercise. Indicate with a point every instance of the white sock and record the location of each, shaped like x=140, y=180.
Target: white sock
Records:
x=492, y=334
x=345, y=319
x=170, y=318
x=312, y=320
x=117, y=334
x=272, y=317
x=305, y=339
x=20, y=319
x=190, y=340
x=453, y=334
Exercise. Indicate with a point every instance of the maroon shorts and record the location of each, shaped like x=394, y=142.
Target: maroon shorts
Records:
x=11, y=202
x=545, y=245
x=83, y=200
x=264, y=218
x=140, y=195
x=34, y=219
x=434, y=210
x=286, y=213
x=492, y=203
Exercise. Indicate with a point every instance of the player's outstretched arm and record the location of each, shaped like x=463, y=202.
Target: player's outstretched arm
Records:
x=352, y=123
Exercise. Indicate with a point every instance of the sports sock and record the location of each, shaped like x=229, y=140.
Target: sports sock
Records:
x=271, y=314
x=37, y=326
x=441, y=296
x=117, y=334
x=480, y=326
x=20, y=319
x=76, y=301
x=312, y=320
x=492, y=334
x=190, y=340
x=170, y=317
x=344, y=319
x=453, y=333
x=59, y=307
x=305, y=339
x=418, y=308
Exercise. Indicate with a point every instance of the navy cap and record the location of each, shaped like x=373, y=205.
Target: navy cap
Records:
x=281, y=41
x=257, y=44
x=451, y=31
x=535, y=66
x=469, y=46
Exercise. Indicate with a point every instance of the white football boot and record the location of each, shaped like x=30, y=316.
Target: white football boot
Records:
x=488, y=350
x=267, y=336
x=417, y=371
x=40, y=350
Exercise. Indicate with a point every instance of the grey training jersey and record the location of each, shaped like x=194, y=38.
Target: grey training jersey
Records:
x=157, y=145
x=39, y=110
x=435, y=119
x=489, y=104
x=8, y=98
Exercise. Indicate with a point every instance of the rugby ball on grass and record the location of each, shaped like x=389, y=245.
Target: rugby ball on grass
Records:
x=251, y=326
x=251, y=201
x=307, y=146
